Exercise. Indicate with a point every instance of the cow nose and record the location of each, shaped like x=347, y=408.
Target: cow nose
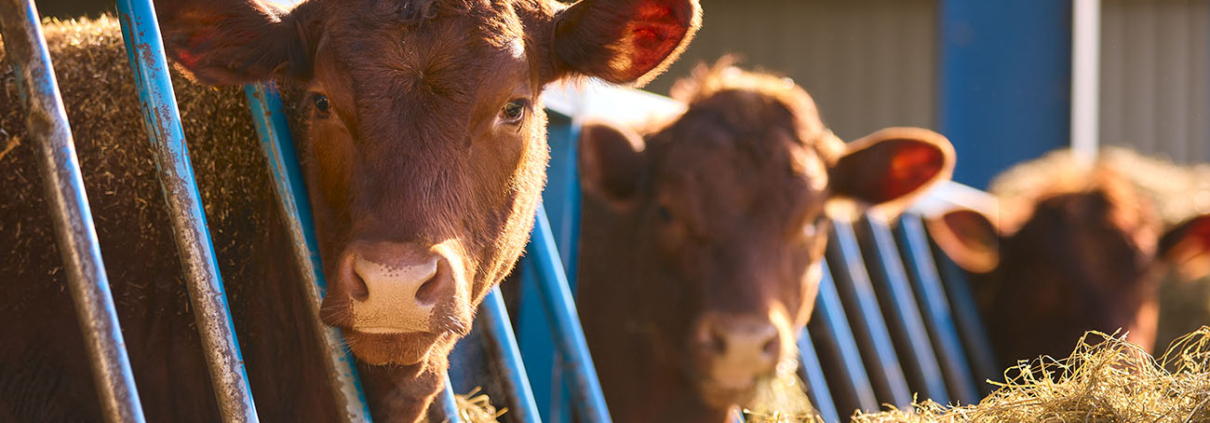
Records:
x=395, y=288
x=740, y=349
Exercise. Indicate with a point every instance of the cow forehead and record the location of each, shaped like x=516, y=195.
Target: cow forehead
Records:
x=719, y=174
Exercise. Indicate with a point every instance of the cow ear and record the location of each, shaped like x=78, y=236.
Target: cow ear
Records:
x=1187, y=247
x=891, y=167
x=967, y=237
x=612, y=162
x=623, y=41
x=227, y=42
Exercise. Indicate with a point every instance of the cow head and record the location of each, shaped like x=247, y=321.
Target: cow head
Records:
x=1080, y=255
x=424, y=135
x=731, y=205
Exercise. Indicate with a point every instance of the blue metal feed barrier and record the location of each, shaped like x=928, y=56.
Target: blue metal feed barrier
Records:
x=852, y=357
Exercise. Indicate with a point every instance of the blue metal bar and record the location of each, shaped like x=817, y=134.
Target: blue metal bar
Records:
x=869, y=327
x=522, y=407
x=811, y=373
x=1005, y=82
x=837, y=348
x=968, y=320
x=936, y=309
x=561, y=197
x=145, y=50
x=543, y=259
x=264, y=102
x=446, y=404
x=906, y=326
x=74, y=231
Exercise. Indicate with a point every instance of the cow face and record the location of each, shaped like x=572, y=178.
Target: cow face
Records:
x=730, y=205
x=1080, y=256
x=424, y=136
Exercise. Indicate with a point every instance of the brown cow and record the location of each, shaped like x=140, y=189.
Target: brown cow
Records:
x=422, y=140
x=1083, y=251
x=702, y=242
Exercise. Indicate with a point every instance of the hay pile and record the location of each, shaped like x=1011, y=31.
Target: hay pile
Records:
x=1106, y=379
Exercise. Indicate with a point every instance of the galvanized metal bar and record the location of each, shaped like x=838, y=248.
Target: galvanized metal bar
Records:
x=145, y=50
x=268, y=114
x=837, y=350
x=493, y=314
x=446, y=405
x=905, y=324
x=936, y=309
x=543, y=260
x=869, y=326
x=75, y=234
x=811, y=373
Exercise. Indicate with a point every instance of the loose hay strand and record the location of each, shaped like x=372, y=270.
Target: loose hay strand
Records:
x=476, y=407
x=1106, y=379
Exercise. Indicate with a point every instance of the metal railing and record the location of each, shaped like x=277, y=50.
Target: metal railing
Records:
x=76, y=236
x=920, y=296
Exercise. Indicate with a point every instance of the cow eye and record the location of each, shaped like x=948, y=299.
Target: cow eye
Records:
x=665, y=215
x=514, y=110
x=812, y=229
x=321, y=103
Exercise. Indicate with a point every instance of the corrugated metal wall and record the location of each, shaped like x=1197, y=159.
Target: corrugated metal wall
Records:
x=1154, y=72
x=868, y=63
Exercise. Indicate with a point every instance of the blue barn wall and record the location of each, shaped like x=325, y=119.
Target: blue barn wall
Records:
x=1004, y=82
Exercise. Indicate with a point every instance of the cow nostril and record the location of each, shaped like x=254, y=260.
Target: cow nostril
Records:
x=427, y=293
x=771, y=347
x=718, y=343
x=358, y=289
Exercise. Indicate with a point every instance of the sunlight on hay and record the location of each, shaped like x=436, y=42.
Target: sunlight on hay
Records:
x=1106, y=379
x=782, y=399
x=476, y=407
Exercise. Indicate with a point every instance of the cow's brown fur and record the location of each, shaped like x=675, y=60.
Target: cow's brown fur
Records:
x=720, y=213
x=403, y=142
x=1080, y=251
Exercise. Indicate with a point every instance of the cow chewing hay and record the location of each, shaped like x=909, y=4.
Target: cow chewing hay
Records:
x=782, y=399
x=1106, y=379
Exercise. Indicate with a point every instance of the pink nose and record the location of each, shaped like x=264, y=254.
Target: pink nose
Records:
x=394, y=288
x=739, y=349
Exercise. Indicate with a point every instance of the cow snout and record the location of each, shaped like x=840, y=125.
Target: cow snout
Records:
x=738, y=350
x=395, y=288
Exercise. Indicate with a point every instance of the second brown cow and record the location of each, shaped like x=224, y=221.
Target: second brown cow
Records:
x=702, y=242
x=1075, y=249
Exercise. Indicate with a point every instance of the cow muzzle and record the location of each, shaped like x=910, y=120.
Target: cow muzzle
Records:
x=395, y=300
x=733, y=354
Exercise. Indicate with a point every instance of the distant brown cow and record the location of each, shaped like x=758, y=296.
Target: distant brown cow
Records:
x=1082, y=252
x=702, y=242
x=422, y=137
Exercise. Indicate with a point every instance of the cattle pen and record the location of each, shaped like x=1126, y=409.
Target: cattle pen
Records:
x=893, y=316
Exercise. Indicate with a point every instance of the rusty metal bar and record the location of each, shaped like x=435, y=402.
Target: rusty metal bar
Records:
x=145, y=50
x=264, y=101
x=74, y=231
